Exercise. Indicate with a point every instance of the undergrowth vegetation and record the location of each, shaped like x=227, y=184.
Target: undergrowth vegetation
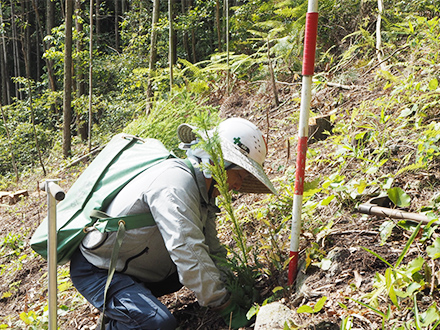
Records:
x=373, y=149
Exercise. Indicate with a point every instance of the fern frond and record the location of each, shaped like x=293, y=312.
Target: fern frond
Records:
x=412, y=167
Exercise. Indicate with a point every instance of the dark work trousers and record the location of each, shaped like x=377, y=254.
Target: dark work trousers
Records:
x=130, y=304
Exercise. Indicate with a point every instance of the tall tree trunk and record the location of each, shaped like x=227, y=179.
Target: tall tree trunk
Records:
x=90, y=75
x=28, y=78
x=6, y=94
x=379, y=51
x=63, y=11
x=50, y=16
x=38, y=50
x=49, y=63
x=153, y=55
x=67, y=99
x=26, y=31
x=15, y=52
x=174, y=35
x=185, y=35
x=50, y=23
x=193, y=46
x=117, y=25
x=80, y=83
x=193, y=39
x=8, y=136
x=219, y=26
x=171, y=44
x=97, y=21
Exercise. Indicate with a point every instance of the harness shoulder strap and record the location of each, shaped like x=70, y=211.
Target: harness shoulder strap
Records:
x=190, y=166
x=112, y=267
x=107, y=223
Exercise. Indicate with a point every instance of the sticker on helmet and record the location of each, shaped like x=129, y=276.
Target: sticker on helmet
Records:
x=241, y=145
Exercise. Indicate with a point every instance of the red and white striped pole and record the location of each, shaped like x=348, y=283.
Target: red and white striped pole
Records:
x=303, y=132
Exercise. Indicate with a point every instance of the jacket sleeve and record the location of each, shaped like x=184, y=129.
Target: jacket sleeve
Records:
x=176, y=206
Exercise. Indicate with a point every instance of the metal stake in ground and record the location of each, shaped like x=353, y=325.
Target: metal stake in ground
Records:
x=54, y=193
x=303, y=132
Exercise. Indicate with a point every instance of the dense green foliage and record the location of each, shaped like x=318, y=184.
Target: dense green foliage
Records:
x=167, y=115
x=120, y=76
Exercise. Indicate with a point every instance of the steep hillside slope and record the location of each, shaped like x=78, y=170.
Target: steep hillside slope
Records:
x=364, y=133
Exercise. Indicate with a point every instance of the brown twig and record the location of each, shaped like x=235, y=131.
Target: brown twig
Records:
x=386, y=59
x=349, y=232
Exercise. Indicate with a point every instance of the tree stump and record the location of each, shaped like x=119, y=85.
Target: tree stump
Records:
x=319, y=128
x=12, y=197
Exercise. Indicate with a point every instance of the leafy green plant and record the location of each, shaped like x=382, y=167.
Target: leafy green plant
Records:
x=14, y=242
x=313, y=310
x=240, y=282
x=397, y=278
x=276, y=293
x=347, y=323
x=273, y=240
x=385, y=315
x=398, y=196
x=166, y=116
x=402, y=282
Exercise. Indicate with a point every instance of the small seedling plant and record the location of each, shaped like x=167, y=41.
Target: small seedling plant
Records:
x=240, y=274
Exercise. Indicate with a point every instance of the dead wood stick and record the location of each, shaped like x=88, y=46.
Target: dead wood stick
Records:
x=331, y=84
x=386, y=59
x=348, y=232
x=373, y=209
x=76, y=161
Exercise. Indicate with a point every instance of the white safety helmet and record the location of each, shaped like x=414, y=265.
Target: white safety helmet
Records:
x=242, y=144
x=246, y=136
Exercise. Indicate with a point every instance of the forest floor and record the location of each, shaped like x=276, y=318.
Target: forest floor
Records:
x=23, y=285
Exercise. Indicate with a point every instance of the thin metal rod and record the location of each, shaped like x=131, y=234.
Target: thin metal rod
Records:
x=54, y=193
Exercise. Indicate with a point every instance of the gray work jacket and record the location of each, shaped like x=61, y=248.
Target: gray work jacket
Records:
x=183, y=238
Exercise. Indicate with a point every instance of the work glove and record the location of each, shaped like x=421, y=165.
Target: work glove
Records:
x=233, y=314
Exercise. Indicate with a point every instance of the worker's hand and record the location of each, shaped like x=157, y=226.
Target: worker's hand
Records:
x=233, y=314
